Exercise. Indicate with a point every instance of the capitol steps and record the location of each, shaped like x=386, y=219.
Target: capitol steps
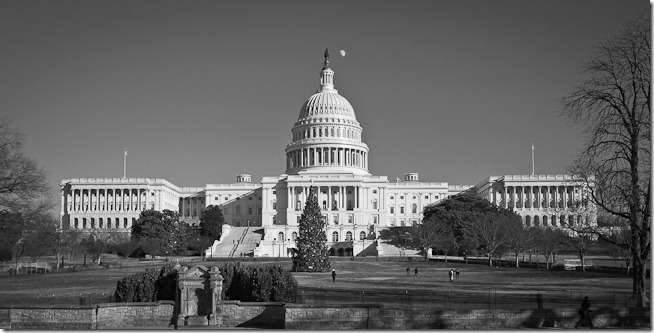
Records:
x=236, y=240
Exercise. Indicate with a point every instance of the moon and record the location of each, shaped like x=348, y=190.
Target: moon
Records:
x=342, y=53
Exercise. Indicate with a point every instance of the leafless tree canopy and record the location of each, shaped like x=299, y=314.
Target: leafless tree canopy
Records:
x=612, y=105
x=22, y=180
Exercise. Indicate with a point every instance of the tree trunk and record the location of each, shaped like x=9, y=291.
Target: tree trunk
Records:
x=640, y=275
x=581, y=256
x=490, y=260
x=516, y=260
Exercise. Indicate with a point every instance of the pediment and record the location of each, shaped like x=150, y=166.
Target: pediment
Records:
x=198, y=271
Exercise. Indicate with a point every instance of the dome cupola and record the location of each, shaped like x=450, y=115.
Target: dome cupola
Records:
x=327, y=136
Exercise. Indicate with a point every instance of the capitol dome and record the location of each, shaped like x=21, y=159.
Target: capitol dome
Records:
x=327, y=136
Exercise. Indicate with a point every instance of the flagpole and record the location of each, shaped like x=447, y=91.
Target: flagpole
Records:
x=532, y=159
x=125, y=164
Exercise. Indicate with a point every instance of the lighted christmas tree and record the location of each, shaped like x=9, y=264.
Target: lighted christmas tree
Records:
x=312, y=254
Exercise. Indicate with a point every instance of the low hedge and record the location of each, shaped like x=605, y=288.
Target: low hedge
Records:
x=247, y=283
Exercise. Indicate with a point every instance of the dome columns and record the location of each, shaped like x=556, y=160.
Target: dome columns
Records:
x=327, y=156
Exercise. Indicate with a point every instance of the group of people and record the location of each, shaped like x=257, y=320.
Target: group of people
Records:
x=452, y=273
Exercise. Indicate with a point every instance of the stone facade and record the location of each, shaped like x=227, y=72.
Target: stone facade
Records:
x=326, y=153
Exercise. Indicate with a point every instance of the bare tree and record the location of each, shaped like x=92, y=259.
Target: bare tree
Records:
x=126, y=244
x=430, y=233
x=490, y=230
x=612, y=105
x=22, y=180
x=582, y=241
x=97, y=243
x=547, y=241
x=518, y=239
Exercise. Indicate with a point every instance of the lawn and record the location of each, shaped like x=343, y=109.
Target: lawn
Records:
x=384, y=282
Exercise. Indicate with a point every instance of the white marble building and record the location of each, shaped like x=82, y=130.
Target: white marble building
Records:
x=326, y=152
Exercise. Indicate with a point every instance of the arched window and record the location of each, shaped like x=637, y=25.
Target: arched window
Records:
x=536, y=221
x=84, y=223
x=299, y=205
x=414, y=208
x=294, y=236
x=554, y=219
x=348, y=236
x=362, y=235
x=544, y=221
x=101, y=223
x=374, y=204
x=528, y=221
x=76, y=224
x=335, y=236
x=280, y=237
x=324, y=205
x=125, y=223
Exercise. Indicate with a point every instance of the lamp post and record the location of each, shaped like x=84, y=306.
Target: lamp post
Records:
x=273, y=249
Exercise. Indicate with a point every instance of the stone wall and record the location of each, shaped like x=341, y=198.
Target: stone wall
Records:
x=121, y=315
x=101, y=316
x=251, y=314
x=348, y=316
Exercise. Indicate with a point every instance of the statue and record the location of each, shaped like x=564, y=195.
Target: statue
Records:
x=326, y=59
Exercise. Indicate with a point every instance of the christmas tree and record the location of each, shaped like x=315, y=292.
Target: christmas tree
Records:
x=312, y=254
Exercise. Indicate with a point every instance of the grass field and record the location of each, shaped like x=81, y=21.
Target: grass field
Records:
x=386, y=282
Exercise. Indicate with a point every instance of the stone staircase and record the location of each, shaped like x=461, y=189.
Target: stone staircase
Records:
x=234, y=241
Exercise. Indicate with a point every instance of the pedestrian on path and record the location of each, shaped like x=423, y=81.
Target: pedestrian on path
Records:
x=584, y=313
x=333, y=275
x=451, y=275
x=416, y=271
x=408, y=271
x=457, y=273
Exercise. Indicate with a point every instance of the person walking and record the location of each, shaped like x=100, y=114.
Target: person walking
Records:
x=333, y=275
x=584, y=313
x=416, y=271
x=449, y=274
x=457, y=273
x=408, y=271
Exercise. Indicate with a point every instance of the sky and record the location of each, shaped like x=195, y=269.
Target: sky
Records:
x=200, y=91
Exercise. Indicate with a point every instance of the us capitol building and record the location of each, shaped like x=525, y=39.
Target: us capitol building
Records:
x=326, y=152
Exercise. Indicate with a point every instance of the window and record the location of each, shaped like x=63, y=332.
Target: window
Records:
x=324, y=205
x=274, y=192
x=414, y=197
x=335, y=219
x=250, y=198
x=375, y=219
x=335, y=237
x=426, y=197
x=374, y=191
x=215, y=199
x=402, y=223
x=374, y=204
x=294, y=236
x=348, y=236
x=392, y=222
x=299, y=205
x=362, y=235
x=401, y=197
x=259, y=198
x=414, y=208
x=280, y=237
x=350, y=218
x=392, y=197
x=249, y=210
x=274, y=204
x=401, y=209
x=392, y=210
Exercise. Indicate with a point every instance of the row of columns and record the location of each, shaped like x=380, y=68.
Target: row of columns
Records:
x=192, y=208
x=553, y=220
x=322, y=156
x=105, y=200
x=337, y=197
x=325, y=132
x=534, y=196
x=102, y=223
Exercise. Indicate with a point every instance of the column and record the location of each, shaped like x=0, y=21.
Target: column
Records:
x=548, y=197
x=506, y=196
x=329, y=198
